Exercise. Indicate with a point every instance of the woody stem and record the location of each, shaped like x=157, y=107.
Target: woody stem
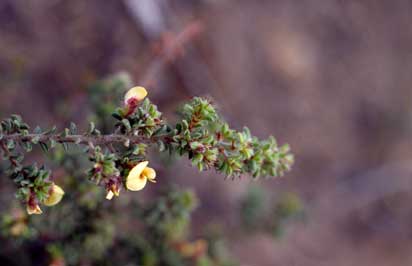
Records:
x=78, y=139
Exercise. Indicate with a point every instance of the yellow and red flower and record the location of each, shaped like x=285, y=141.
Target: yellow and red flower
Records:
x=135, y=95
x=32, y=207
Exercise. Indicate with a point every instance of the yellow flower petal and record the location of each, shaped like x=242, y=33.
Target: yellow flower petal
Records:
x=109, y=195
x=135, y=181
x=138, y=93
x=136, y=184
x=150, y=174
x=55, y=196
x=33, y=209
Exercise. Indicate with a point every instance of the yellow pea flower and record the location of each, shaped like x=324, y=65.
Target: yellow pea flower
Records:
x=135, y=94
x=18, y=228
x=19, y=222
x=55, y=195
x=33, y=209
x=139, y=175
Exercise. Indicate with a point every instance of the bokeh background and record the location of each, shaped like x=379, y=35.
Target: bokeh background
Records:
x=331, y=78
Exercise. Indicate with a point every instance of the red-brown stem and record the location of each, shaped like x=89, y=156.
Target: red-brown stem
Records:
x=8, y=155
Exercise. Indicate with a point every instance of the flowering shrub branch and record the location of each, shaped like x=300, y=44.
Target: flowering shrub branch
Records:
x=120, y=158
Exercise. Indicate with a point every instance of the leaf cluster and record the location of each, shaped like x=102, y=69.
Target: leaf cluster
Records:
x=209, y=143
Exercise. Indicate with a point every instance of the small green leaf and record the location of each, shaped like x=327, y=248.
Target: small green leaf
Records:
x=44, y=146
x=126, y=143
x=92, y=128
x=162, y=146
x=37, y=130
x=51, y=131
x=117, y=116
x=11, y=144
x=66, y=132
x=35, y=139
x=52, y=143
x=65, y=146
x=27, y=146
x=126, y=124
x=200, y=167
x=73, y=128
x=195, y=145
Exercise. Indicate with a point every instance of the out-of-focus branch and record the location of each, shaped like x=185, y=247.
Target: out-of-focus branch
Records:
x=172, y=48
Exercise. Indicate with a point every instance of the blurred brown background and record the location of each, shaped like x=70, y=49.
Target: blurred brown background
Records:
x=330, y=77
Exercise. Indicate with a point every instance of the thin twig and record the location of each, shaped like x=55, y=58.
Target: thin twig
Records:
x=8, y=154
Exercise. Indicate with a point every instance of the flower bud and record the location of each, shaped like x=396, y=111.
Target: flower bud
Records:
x=113, y=189
x=33, y=209
x=109, y=195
